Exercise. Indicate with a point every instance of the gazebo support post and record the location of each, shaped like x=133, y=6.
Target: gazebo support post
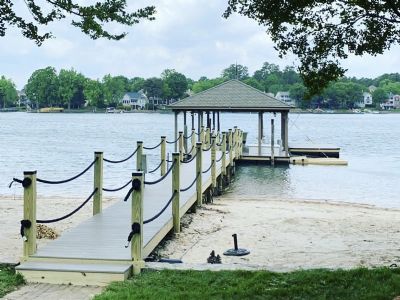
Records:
x=185, y=132
x=284, y=132
x=218, y=124
x=176, y=130
x=192, y=115
x=213, y=121
x=198, y=126
x=260, y=117
x=272, y=142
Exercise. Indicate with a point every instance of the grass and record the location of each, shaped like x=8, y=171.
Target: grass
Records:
x=9, y=280
x=382, y=283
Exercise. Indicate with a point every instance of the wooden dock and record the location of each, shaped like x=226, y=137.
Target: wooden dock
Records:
x=94, y=252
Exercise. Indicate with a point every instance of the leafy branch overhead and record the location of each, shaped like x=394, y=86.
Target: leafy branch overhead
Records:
x=91, y=19
x=323, y=33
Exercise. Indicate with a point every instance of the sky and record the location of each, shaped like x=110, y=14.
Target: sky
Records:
x=190, y=36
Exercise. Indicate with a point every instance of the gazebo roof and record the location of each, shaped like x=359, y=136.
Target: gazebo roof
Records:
x=232, y=95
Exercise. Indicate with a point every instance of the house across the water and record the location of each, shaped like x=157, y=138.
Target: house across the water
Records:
x=136, y=100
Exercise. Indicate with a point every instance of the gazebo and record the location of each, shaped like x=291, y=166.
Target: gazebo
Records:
x=233, y=96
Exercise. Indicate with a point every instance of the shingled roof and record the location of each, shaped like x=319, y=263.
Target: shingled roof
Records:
x=232, y=95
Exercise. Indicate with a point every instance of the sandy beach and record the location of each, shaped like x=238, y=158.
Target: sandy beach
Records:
x=285, y=235
x=282, y=234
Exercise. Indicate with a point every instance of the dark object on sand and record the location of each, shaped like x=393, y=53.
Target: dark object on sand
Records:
x=212, y=259
x=236, y=251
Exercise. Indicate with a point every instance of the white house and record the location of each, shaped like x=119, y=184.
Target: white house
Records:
x=365, y=101
x=392, y=102
x=285, y=97
x=136, y=100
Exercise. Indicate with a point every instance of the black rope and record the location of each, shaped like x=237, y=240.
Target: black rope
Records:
x=204, y=172
x=122, y=160
x=188, y=137
x=201, y=131
x=190, y=150
x=69, y=179
x=194, y=181
x=71, y=213
x=219, y=159
x=152, y=148
x=173, y=142
x=118, y=189
x=190, y=160
x=161, y=178
x=162, y=210
x=14, y=180
x=157, y=167
x=209, y=148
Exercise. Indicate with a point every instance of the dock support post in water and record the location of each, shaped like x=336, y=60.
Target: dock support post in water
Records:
x=98, y=183
x=272, y=142
x=175, y=189
x=139, y=156
x=199, y=152
x=260, y=132
x=181, y=146
x=29, y=213
x=213, y=163
x=163, y=155
x=137, y=221
x=193, y=143
x=284, y=132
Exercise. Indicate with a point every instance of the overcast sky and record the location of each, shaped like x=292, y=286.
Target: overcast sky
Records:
x=189, y=36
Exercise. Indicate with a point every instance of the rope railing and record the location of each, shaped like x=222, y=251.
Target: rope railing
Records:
x=69, y=214
x=161, y=178
x=152, y=171
x=172, y=142
x=190, y=160
x=194, y=181
x=122, y=160
x=152, y=148
x=118, y=189
x=209, y=168
x=209, y=148
x=201, y=131
x=190, y=151
x=188, y=137
x=69, y=179
x=162, y=210
x=219, y=159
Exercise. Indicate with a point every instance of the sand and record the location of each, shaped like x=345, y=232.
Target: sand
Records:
x=282, y=234
x=11, y=213
x=285, y=235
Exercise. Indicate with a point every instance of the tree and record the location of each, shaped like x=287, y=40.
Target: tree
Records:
x=297, y=92
x=266, y=70
x=235, y=71
x=93, y=92
x=136, y=84
x=322, y=33
x=343, y=94
x=205, y=84
x=8, y=92
x=379, y=96
x=70, y=87
x=114, y=89
x=254, y=83
x=153, y=87
x=175, y=84
x=90, y=19
x=42, y=87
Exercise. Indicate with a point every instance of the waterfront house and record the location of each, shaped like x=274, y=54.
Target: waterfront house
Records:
x=136, y=100
x=285, y=97
x=392, y=102
x=365, y=101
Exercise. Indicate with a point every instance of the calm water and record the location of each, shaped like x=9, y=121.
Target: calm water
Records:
x=61, y=145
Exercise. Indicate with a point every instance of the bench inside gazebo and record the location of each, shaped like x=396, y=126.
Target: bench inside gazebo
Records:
x=235, y=96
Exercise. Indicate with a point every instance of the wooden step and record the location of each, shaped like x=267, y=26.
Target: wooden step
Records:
x=74, y=273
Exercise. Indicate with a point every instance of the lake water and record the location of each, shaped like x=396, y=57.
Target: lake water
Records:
x=61, y=145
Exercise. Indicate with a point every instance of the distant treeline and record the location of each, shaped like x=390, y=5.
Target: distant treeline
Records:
x=71, y=89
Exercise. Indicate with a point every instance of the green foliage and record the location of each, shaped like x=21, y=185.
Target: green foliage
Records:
x=9, y=281
x=353, y=284
x=114, y=89
x=379, y=96
x=175, y=84
x=235, y=71
x=323, y=33
x=136, y=84
x=204, y=84
x=8, y=93
x=90, y=19
x=70, y=87
x=153, y=87
x=42, y=87
x=254, y=83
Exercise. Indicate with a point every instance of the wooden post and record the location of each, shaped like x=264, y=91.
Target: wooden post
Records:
x=260, y=116
x=198, y=127
x=223, y=149
x=192, y=115
x=29, y=247
x=193, y=143
x=137, y=219
x=213, y=162
x=176, y=131
x=230, y=148
x=199, y=162
x=286, y=133
x=181, y=145
x=185, y=132
x=202, y=134
x=207, y=138
x=163, y=155
x=139, y=156
x=175, y=189
x=272, y=142
x=213, y=120
x=235, y=139
x=98, y=183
